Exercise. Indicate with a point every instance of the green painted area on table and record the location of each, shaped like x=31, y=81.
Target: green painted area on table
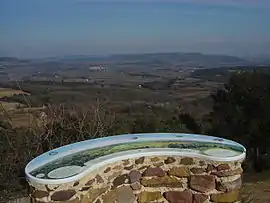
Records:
x=80, y=158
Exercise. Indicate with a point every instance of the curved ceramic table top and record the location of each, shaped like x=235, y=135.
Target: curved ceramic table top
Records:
x=72, y=162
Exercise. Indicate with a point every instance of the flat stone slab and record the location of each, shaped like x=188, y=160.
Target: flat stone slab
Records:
x=120, y=195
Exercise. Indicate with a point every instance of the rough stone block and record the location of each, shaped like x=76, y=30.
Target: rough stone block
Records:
x=228, y=173
x=134, y=176
x=229, y=186
x=200, y=198
x=197, y=170
x=228, y=197
x=90, y=182
x=99, y=179
x=202, y=183
x=94, y=193
x=154, y=172
x=120, y=180
x=187, y=161
x=107, y=170
x=63, y=195
x=165, y=181
x=179, y=171
x=146, y=197
x=120, y=195
x=179, y=197
x=139, y=161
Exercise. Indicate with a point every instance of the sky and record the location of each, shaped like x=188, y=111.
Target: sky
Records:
x=45, y=28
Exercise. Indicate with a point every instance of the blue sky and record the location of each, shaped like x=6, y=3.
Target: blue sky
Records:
x=41, y=28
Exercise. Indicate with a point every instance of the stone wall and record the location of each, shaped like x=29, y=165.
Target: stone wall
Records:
x=150, y=179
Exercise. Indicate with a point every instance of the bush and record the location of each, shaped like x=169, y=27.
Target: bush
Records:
x=241, y=112
x=55, y=127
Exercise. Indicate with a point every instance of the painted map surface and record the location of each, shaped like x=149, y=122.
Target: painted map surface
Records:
x=74, y=163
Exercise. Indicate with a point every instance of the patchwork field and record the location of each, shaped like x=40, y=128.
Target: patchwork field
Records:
x=7, y=92
x=17, y=113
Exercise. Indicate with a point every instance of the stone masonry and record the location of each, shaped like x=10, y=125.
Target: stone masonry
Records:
x=148, y=180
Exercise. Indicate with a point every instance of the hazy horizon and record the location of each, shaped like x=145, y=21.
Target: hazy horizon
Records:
x=51, y=28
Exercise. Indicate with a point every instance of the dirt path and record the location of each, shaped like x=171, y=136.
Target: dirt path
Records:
x=256, y=188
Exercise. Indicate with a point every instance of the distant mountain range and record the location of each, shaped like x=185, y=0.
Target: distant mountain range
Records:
x=160, y=59
x=183, y=58
x=150, y=60
x=12, y=60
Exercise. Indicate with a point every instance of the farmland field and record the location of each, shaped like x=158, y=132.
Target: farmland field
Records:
x=6, y=92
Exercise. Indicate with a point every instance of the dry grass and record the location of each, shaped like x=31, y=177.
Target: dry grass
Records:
x=8, y=109
x=53, y=127
x=18, y=117
x=10, y=105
